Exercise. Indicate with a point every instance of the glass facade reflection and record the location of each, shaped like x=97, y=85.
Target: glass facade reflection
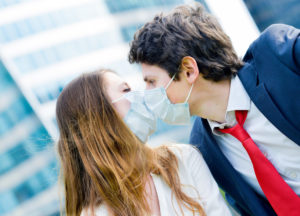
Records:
x=268, y=12
x=39, y=61
x=16, y=112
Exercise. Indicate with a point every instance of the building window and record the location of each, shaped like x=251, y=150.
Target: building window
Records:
x=7, y=3
x=36, y=142
x=8, y=201
x=5, y=78
x=128, y=31
x=50, y=92
x=126, y=5
x=5, y=123
x=37, y=183
x=66, y=50
x=42, y=180
x=6, y=162
x=37, y=24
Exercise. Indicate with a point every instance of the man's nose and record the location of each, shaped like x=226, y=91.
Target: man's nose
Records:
x=149, y=86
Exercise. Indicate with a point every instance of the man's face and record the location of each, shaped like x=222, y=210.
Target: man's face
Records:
x=156, y=77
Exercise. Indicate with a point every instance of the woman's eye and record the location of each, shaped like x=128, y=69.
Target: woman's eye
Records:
x=127, y=90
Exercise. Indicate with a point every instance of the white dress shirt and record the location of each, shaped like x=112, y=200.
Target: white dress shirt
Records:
x=282, y=152
x=197, y=182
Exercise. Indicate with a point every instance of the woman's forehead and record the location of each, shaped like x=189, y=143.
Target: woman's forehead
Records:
x=113, y=79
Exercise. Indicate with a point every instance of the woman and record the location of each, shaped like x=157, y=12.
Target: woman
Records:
x=107, y=170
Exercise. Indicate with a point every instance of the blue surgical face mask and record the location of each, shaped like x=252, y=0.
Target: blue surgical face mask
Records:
x=158, y=102
x=139, y=118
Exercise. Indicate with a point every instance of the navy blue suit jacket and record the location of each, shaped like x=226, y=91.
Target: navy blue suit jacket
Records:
x=271, y=77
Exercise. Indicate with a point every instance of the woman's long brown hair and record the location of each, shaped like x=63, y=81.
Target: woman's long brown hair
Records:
x=102, y=161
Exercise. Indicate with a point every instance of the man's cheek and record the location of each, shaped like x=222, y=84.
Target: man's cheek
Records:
x=176, y=94
x=173, y=97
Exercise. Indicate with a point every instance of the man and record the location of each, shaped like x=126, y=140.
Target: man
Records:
x=248, y=128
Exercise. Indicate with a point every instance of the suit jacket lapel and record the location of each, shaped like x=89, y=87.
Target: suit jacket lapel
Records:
x=263, y=101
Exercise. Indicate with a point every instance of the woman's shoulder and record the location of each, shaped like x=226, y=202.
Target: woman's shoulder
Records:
x=187, y=154
x=194, y=171
x=183, y=150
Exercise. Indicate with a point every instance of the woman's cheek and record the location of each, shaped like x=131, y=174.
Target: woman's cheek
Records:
x=122, y=107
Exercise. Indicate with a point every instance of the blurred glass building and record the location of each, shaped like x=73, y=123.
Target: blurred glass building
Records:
x=28, y=168
x=43, y=45
x=46, y=43
x=268, y=12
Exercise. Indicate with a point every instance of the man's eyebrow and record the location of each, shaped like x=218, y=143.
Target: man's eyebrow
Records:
x=147, y=78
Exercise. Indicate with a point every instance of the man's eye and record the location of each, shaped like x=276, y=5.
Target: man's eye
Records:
x=151, y=82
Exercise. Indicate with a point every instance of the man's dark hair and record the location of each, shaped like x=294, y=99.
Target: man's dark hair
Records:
x=186, y=31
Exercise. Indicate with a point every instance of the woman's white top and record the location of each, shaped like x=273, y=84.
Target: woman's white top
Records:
x=196, y=180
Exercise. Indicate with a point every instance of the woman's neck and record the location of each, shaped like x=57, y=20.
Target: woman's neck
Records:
x=152, y=197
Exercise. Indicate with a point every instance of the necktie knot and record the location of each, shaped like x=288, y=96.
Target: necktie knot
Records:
x=238, y=131
x=241, y=116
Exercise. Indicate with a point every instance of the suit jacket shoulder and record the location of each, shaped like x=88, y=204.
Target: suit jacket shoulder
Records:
x=271, y=77
x=281, y=41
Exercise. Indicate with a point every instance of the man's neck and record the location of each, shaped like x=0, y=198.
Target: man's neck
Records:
x=212, y=100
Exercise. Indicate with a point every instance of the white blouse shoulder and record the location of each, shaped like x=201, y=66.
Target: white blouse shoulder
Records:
x=193, y=171
x=196, y=180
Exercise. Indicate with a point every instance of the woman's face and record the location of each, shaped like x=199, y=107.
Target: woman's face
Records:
x=116, y=88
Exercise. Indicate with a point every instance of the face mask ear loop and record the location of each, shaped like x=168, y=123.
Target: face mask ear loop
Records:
x=118, y=99
x=187, y=98
x=169, y=83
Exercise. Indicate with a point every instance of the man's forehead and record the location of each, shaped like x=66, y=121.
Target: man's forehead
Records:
x=152, y=71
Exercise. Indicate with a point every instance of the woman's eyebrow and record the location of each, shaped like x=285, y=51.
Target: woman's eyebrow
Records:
x=125, y=84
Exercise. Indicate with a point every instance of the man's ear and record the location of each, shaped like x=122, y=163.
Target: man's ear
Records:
x=189, y=69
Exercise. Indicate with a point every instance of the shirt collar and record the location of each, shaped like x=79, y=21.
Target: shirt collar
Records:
x=238, y=100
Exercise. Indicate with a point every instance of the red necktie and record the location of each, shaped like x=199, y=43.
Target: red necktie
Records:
x=282, y=198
